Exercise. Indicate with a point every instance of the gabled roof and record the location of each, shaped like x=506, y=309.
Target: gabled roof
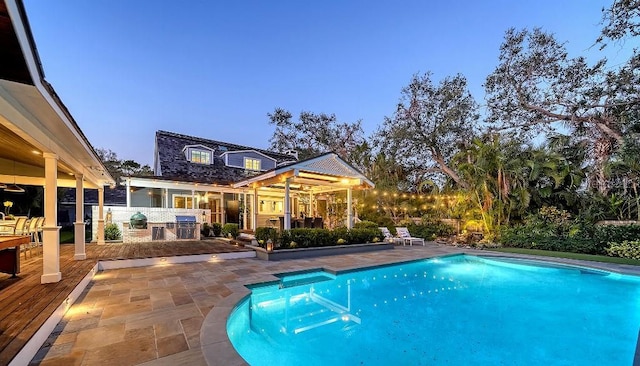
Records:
x=174, y=165
x=198, y=146
x=324, y=170
x=244, y=151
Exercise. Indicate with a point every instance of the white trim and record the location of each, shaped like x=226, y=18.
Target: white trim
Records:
x=257, y=178
x=302, y=167
x=179, y=185
x=197, y=146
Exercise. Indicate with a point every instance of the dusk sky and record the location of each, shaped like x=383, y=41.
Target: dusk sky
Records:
x=214, y=69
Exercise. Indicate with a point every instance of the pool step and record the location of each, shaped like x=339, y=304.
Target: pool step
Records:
x=307, y=278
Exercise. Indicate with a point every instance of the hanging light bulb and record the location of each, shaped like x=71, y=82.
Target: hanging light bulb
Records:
x=14, y=188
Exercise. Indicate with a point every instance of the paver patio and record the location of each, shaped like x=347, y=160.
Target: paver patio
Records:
x=153, y=315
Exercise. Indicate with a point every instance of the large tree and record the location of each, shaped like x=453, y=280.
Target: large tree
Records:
x=313, y=134
x=620, y=20
x=118, y=168
x=431, y=123
x=537, y=87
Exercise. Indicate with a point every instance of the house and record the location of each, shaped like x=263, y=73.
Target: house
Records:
x=215, y=181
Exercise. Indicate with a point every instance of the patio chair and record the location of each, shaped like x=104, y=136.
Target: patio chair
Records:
x=32, y=230
x=39, y=226
x=388, y=237
x=317, y=222
x=22, y=228
x=403, y=233
x=13, y=227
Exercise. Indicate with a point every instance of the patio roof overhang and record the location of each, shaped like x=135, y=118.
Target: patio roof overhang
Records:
x=324, y=173
x=161, y=183
x=33, y=119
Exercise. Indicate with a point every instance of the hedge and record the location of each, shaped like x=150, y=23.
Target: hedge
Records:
x=307, y=238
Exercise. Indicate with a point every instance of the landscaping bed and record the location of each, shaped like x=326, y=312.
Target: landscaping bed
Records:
x=300, y=253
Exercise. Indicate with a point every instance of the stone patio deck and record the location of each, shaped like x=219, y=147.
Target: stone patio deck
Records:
x=157, y=315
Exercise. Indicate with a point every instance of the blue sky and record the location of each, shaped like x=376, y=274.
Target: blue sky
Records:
x=216, y=68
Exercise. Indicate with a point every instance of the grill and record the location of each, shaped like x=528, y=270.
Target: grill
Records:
x=185, y=227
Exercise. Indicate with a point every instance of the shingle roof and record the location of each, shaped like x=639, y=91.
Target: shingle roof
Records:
x=174, y=165
x=116, y=196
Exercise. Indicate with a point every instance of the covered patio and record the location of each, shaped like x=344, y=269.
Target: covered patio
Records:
x=40, y=142
x=302, y=186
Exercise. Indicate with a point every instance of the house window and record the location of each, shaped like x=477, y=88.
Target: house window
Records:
x=201, y=156
x=251, y=164
x=182, y=201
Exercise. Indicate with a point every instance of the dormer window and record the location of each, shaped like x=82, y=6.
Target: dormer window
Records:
x=198, y=154
x=201, y=156
x=251, y=164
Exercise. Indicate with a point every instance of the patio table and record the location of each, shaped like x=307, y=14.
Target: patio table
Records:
x=10, y=253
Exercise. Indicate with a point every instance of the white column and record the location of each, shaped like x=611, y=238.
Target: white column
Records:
x=79, y=224
x=51, y=231
x=254, y=210
x=193, y=199
x=349, y=209
x=100, y=215
x=128, y=192
x=245, y=224
x=166, y=198
x=312, y=212
x=287, y=205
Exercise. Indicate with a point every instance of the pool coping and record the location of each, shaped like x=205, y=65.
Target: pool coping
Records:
x=217, y=348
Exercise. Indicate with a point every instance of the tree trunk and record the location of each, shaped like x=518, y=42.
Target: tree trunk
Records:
x=450, y=172
x=602, y=151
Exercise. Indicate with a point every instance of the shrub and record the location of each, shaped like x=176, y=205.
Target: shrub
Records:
x=205, y=230
x=605, y=234
x=216, y=227
x=430, y=230
x=230, y=229
x=340, y=233
x=306, y=237
x=112, y=232
x=625, y=249
x=379, y=218
x=265, y=233
x=357, y=236
x=576, y=237
x=364, y=224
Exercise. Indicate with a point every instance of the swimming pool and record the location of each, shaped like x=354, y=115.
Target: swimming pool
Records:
x=445, y=311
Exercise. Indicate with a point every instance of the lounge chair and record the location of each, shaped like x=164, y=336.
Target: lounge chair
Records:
x=390, y=238
x=406, y=237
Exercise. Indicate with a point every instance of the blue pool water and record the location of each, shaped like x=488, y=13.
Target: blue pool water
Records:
x=460, y=310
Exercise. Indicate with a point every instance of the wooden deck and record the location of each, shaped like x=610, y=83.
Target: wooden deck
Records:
x=25, y=304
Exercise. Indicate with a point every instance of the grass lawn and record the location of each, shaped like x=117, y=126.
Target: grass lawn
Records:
x=579, y=256
x=66, y=236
